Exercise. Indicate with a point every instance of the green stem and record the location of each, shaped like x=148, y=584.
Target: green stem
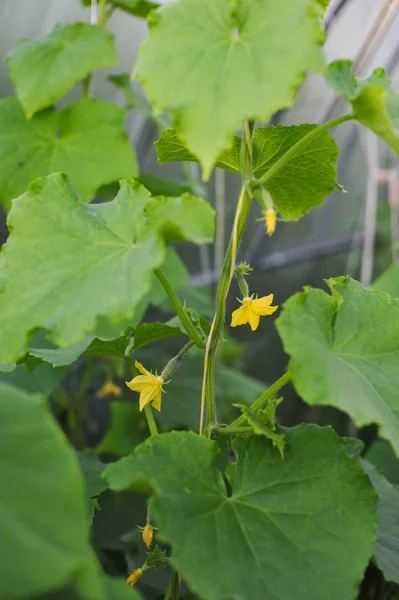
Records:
x=242, y=284
x=86, y=380
x=262, y=400
x=302, y=142
x=174, y=585
x=232, y=430
x=86, y=87
x=103, y=14
x=210, y=394
x=225, y=278
x=181, y=313
x=152, y=426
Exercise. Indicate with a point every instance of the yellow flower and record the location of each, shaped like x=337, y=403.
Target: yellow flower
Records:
x=149, y=386
x=134, y=577
x=148, y=535
x=109, y=388
x=251, y=311
x=270, y=221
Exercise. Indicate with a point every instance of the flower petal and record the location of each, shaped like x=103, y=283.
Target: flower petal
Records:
x=262, y=306
x=253, y=319
x=140, y=382
x=156, y=403
x=239, y=316
x=142, y=369
x=146, y=396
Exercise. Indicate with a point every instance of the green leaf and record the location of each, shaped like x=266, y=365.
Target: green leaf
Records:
x=90, y=260
x=122, y=435
x=388, y=282
x=91, y=469
x=116, y=589
x=351, y=341
x=152, y=332
x=375, y=104
x=308, y=515
x=237, y=50
x=42, y=509
x=305, y=181
x=137, y=8
x=381, y=455
x=44, y=379
x=87, y=140
x=43, y=71
x=387, y=545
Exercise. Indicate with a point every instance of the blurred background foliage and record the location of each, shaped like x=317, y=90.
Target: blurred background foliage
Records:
x=355, y=233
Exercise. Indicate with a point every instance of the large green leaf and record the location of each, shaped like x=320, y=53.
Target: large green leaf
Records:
x=284, y=530
x=86, y=139
x=224, y=65
x=375, y=104
x=387, y=545
x=344, y=352
x=43, y=71
x=304, y=181
x=43, y=522
x=66, y=263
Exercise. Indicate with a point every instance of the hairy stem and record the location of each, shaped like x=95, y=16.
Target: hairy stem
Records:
x=232, y=430
x=181, y=313
x=262, y=400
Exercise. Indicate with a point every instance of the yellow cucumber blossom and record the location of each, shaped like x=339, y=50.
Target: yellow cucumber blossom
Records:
x=270, y=221
x=134, y=577
x=251, y=311
x=149, y=386
x=109, y=388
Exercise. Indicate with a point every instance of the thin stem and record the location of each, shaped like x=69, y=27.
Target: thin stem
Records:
x=86, y=87
x=240, y=219
x=232, y=430
x=181, y=313
x=174, y=585
x=242, y=284
x=152, y=426
x=243, y=206
x=86, y=380
x=263, y=399
x=185, y=349
x=314, y=133
x=220, y=205
x=103, y=14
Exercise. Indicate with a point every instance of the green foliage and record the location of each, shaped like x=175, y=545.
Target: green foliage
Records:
x=248, y=509
x=351, y=340
x=90, y=130
x=228, y=43
x=108, y=252
x=43, y=514
x=387, y=545
x=388, y=282
x=281, y=516
x=375, y=104
x=43, y=71
x=305, y=181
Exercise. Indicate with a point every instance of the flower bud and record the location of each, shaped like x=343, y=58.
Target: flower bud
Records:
x=134, y=577
x=148, y=535
x=270, y=221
